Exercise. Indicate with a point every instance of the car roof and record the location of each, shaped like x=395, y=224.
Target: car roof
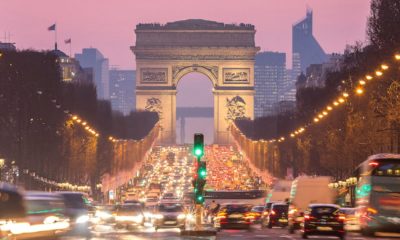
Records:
x=31, y=195
x=323, y=205
x=384, y=156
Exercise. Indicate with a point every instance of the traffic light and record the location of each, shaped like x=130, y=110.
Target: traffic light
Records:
x=202, y=170
x=198, y=146
x=199, y=191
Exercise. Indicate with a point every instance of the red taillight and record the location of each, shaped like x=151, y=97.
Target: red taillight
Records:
x=273, y=212
x=342, y=218
x=373, y=164
x=308, y=217
x=265, y=213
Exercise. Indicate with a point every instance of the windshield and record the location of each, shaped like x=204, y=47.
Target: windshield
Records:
x=281, y=208
x=75, y=201
x=324, y=211
x=386, y=168
x=129, y=208
x=170, y=208
x=257, y=209
x=238, y=208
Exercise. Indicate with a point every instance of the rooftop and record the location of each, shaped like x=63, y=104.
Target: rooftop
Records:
x=194, y=24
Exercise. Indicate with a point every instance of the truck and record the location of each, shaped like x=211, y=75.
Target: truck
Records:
x=306, y=190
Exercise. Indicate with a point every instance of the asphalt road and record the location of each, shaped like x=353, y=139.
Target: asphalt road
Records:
x=103, y=232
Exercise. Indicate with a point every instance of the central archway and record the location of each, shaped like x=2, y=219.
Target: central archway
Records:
x=223, y=52
x=194, y=114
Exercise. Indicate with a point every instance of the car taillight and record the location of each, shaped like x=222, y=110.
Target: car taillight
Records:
x=273, y=212
x=265, y=213
x=308, y=217
x=341, y=218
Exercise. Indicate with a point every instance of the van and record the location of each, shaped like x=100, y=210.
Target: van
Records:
x=307, y=190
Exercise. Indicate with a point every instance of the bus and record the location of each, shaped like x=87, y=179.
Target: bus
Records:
x=378, y=194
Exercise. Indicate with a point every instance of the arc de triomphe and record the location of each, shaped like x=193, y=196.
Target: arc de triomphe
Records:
x=223, y=52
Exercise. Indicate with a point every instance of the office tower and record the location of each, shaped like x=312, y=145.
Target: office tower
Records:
x=269, y=77
x=122, y=90
x=92, y=58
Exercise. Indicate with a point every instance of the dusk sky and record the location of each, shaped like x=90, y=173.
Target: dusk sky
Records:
x=109, y=25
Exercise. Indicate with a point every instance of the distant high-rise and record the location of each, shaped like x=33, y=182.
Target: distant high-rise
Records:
x=122, y=90
x=7, y=46
x=92, y=58
x=269, y=77
x=305, y=48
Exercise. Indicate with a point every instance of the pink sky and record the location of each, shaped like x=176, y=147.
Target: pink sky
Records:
x=109, y=25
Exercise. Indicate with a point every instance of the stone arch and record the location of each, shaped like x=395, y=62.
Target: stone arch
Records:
x=178, y=72
x=223, y=52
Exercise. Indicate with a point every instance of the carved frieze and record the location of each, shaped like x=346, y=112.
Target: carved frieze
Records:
x=213, y=70
x=154, y=105
x=236, y=108
x=236, y=75
x=154, y=75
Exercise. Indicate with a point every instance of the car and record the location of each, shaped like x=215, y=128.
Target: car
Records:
x=169, y=215
x=257, y=212
x=352, y=222
x=265, y=214
x=129, y=215
x=278, y=215
x=323, y=219
x=234, y=216
x=105, y=213
x=45, y=215
x=77, y=207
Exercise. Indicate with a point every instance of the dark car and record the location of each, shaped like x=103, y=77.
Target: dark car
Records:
x=323, y=219
x=169, y=215
x=278, y=215
x=264, y=216
x=257, y=212
x=234, y=216
x=77, y=208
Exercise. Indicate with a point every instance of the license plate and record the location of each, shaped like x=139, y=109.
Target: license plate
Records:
x=170, y=222
x=324, y=228
x=283, y=220
x=235, y=216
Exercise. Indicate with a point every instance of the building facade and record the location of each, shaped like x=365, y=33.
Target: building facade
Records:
x=122, y=90
x=92, y=58
x=269, y=78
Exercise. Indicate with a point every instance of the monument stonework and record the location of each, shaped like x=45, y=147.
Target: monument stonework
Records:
x=223, y=52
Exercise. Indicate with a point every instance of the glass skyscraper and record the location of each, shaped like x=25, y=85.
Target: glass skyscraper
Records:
x=269, y=75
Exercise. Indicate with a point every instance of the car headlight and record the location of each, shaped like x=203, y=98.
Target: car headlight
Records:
x=51, y=219
x=147, y=215
x=158, y=216
x=82, y=219
x=102, y=214
x=181, y=216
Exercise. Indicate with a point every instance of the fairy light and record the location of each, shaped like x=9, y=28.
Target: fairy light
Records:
x=316, y=120
x=384, y=67
x=362, y=82
x=397, y=56
x=341, y=100
x=335, y=103
x=378, y=73
x=359, y=91
x=345, y=94
x=329, y=108
x=368, y=77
